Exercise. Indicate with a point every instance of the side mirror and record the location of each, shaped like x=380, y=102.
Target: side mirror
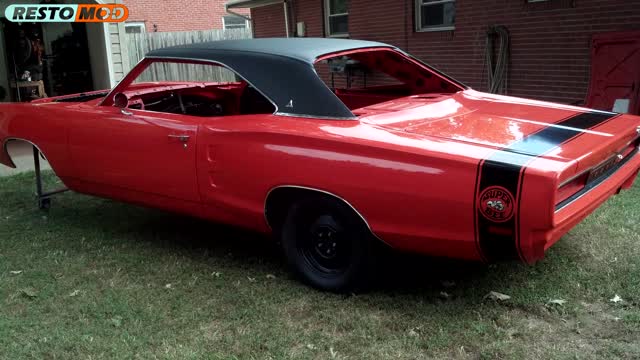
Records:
x=122, y=101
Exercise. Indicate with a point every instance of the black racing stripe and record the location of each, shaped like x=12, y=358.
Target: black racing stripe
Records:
x=550, y=137
x=475, y=220
x=500, y=181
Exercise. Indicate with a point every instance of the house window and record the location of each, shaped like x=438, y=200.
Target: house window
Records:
x=336, y=17
x=435, y=15
x=234, y=22
x=134, y=27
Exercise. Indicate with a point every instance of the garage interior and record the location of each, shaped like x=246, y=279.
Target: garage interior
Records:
x=51, y=59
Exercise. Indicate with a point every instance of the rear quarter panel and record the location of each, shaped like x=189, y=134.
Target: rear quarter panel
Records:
x=415, y=194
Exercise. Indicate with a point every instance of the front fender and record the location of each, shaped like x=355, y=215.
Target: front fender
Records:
x=44, y=126
x=5, y=159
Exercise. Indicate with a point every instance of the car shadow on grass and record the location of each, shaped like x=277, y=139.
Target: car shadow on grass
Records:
x=398, y=273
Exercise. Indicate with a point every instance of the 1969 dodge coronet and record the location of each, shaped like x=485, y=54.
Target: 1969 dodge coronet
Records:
x=334, y=146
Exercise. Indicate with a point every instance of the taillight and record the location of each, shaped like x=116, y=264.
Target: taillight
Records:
x=630, y=148
x=596, y=173
x=571, y=187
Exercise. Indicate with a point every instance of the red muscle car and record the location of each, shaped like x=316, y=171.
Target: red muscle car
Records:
x=334, y=146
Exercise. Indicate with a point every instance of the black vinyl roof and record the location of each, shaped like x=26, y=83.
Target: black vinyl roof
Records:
x=281, y=68
x=305, y=49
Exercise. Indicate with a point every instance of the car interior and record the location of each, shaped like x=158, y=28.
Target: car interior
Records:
x=365, y=78
x=360, y=79
x=203, y=99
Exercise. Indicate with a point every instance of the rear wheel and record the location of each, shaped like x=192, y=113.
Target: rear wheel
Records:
x=327, y=244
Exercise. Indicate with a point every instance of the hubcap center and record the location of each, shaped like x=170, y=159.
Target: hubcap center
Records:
x=325, y=242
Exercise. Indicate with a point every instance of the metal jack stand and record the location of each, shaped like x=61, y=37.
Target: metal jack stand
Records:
x=44, y=198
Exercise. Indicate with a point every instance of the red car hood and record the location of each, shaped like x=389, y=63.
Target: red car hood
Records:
x=472, y=117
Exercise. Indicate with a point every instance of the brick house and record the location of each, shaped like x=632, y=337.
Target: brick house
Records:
x=550, y=40
x=176, y=15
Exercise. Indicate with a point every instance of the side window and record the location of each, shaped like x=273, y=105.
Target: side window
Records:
x=194, y=89
x=185, y=72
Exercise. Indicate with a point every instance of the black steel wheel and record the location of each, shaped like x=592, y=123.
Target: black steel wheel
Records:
x=327, y=244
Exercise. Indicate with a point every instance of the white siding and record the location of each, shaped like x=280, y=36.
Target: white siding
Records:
x=118, y=47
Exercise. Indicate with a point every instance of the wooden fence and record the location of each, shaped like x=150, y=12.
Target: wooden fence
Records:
x=140, y=44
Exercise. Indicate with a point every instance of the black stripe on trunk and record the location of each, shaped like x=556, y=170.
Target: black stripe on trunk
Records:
x=500, y=180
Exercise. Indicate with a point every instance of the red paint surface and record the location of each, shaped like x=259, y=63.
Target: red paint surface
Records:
x=408, y=165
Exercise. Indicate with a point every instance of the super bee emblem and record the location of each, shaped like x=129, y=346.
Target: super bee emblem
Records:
x=496, y=204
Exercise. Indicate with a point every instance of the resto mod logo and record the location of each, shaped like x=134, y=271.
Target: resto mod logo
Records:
x=496, y=204
x=67, y=13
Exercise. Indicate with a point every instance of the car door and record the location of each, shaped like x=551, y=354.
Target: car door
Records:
x=234, y=169
x=143, y=151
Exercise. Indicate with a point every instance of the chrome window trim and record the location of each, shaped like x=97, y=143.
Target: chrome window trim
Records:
x=315, y=117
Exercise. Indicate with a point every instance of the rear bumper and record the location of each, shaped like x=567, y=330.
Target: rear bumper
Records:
x=579, y=208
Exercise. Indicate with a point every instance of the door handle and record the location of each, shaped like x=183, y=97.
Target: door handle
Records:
x=181, y=138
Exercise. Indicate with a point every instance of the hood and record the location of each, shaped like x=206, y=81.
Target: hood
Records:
x=473, y=117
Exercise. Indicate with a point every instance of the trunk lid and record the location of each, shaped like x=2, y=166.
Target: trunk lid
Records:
x=517, y=125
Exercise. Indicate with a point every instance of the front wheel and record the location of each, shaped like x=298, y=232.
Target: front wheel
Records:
x=328, y=245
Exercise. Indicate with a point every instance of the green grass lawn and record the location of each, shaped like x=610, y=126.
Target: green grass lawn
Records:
x=93, y=278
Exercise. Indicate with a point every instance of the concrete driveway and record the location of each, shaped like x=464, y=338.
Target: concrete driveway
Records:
x=22, y=155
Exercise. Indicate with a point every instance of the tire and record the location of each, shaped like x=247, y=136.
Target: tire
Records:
x=328, y=245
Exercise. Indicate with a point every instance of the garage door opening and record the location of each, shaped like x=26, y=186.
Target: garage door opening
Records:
x=46, y=59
